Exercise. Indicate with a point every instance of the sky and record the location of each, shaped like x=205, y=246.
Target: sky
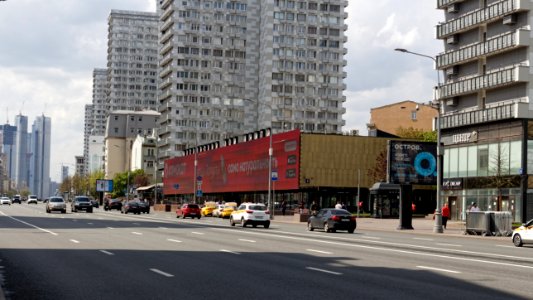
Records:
x=48, y=50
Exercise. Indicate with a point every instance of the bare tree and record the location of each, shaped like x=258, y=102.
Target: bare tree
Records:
x=499, y=176
x=379, y=172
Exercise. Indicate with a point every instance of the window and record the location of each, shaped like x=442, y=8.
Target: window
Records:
x=413, y=115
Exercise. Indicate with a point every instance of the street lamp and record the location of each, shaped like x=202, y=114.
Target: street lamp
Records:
x=438, y=215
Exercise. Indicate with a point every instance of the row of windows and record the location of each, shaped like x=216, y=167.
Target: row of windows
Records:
x=324, y=55
x=305, y=78
x=129, y=36
x=217, y=40
x=126, y=57
x=231, y=30
x=134, y=50
x=302, y=41
x=303, y=18
x=124, y=65
x=302, y=29
x=288, y=65
x=290, y=4
x=134, y=72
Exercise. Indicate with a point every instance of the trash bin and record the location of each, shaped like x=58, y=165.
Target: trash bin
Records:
x=167, y=207
x=478, y=223
x=502, y=223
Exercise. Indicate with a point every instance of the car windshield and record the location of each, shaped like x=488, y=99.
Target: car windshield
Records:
x=82, y=199
x=340, y=212
x=56, y=200
x=257, y=207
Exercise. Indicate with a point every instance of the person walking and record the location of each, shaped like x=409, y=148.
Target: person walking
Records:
x=314, y=208
x=283, y=207
x=338, y=205
x=445, y=215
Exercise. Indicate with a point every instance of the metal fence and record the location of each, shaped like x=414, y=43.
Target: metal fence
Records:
x=496, y=223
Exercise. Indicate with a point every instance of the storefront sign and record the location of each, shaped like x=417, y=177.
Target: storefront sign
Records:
x=452, y=184
x=462, y=138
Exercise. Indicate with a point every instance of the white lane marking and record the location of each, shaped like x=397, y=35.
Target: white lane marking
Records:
x=438, y=269
x=74, y=220
x=229, y=251
x=382, y=248
x=245, y=240
x=319, y=251
x=31, y=225
x=100, y=218
x=371, y=237
x=323, y=271
x=199, y=233
x=160, y=227
x=506, y=246
x=89, y=223
x=161, y=273
x=135, y=223
x=422, y=239
x=74, y=241
x=107, y=252
x=110, y=228
x=137, y=233
x=173, y=240
x=449, y=245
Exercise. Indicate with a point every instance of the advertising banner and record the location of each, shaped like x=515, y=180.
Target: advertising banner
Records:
x=412, y=162
x=104, y=185
x=241, y=167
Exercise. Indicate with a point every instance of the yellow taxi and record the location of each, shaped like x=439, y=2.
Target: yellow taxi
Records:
x=229, y=207
x=207, y=209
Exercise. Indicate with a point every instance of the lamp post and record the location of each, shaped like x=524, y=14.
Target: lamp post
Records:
x=438, y=214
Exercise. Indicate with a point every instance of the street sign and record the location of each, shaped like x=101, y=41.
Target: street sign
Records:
x=199, y=178
x=176, y=186
x=274, y=175
x=199, y=193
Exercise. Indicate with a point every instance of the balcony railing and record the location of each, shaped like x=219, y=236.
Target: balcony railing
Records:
x=490, y=80
x=477, y=17
x=496, y=113
x=491, y=46
x=444, y=3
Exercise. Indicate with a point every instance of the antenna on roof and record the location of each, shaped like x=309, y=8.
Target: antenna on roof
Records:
x=22, y=107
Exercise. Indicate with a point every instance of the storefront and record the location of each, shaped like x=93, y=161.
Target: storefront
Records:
x=487, y=165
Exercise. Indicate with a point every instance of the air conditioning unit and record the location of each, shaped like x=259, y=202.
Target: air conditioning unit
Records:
x=509, y=19
x=454, y=8
x=452, y=101
x=453, y=39
x=452, y=71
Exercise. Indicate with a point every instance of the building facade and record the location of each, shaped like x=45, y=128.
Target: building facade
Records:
x=143, y=156
x=22, y=153
x=227, y=68
x=40, y=147
x=487, y=115
x=8, y=143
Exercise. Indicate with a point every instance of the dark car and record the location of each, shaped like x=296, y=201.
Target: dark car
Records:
x=188, y=210
x=131, y=206
x=144, y=207
x=16, y=199
x=110, y=204
x=331, y=220
x=81, y=203
x=95, y=203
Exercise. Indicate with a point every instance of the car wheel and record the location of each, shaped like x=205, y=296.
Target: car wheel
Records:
x=267, y=225
x=198, y=217
x=90, y=211
x=64, y=211
x=351, y=230
x=231, y=221
x=243, y=222
x=310, y=227
x=517, y=240
x=326, y=227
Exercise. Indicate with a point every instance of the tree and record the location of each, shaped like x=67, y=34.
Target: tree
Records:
x=136, y=179
x=499, y=176
x=91, y=181
x=379, y=172
x=416, y=134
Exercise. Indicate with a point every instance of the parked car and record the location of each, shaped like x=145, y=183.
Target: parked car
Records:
x=95, y=203
x=131, y=206
x=331, y=220
x=81, y=203
x=5, y=200
x=208, y=208
x=17, y=199
x=32, y=199
x=523, y=234
x=188, y=210
x=250, y=213
x=56, y=203
x=144, y=206
x=110, y=204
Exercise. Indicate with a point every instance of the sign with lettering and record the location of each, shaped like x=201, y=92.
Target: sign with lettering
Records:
x=452, y=184
x=412, y=162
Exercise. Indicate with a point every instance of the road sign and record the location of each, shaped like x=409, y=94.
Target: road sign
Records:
x=199, y=178
x=199, y=193
x=274, y=175
x=176, y=186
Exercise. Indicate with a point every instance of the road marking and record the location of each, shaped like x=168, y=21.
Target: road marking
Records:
x=135, y=223
x=323, y=271
x=75, y=241
x=89, y=223
x=449, y=245
x=199, y=233
x=161, y=273
x=107, y=252
x=137, y=233
x=506, y=246
x=438, y=269
x=229, y=251
x=318, y=251
x=245, y=240
x=31, y=225
x=110, y=228
x=422, y=239
x=371, y=237
x=173, y=240
x=100, y=218
x=74, y=220
x=160, y=227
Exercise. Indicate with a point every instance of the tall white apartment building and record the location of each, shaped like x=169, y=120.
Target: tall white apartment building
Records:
x=40, y=147
x=486, y=105
x=100, y=107
x=132, y=55
x=230, y=67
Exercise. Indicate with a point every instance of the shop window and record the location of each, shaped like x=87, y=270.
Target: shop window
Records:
x=515, y=154
x=483, y=160
x=472, y=161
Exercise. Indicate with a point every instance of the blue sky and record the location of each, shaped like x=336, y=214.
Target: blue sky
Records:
x=50, y=48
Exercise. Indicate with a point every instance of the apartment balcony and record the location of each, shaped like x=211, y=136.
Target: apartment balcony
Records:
x=501, y=43
x=490, y=80
x=166, y=37
x=166, y=70
x=167, y=13
x=166, y=59
x=475, y=18
x=165, y=4
x=167, y=47
x=505, y=111
x=166, y=82
x=442, y=4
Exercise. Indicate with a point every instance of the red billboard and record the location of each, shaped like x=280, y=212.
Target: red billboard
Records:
x=241, y=167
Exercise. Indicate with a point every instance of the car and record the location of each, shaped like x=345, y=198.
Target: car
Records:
x=81, y=203
x=131, y=206
x=95, y=203
x=208, y=208
x=5, y=200
x=523, y=234
x=188, y=210
x=144, y=206
x=218, y=210
x=331, y=220
x=110, y=204
x=228, y=209
x=56, y=203
x=250, y=213
x=32, y=199
x=17, y=199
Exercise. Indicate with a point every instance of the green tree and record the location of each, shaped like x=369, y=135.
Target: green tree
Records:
x=91, y=181
x=416, y=134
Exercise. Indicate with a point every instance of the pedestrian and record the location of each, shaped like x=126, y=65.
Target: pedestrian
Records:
x=445, y=215
x=338, y=205
x=474, y=207
x=283, y=207
x=314, y=208
x=302, y=206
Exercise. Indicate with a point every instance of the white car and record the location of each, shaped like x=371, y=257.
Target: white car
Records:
x=56, y=203
x=523, y=234
x=32, y=199
x=250, y=213
x=5, y=200
x=218, y=210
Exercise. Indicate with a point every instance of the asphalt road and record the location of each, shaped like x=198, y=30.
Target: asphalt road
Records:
x=108, y=255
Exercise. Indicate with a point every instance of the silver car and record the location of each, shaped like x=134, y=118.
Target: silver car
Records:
x=56, y=203
x=5, y=200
